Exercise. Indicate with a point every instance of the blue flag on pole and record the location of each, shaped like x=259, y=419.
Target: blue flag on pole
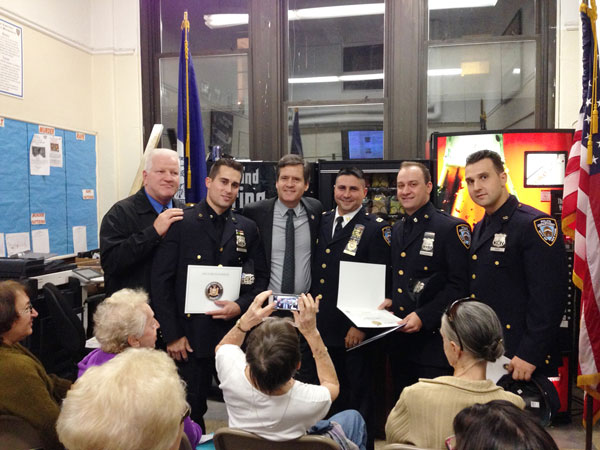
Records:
x=296, y=139
x=190, y=139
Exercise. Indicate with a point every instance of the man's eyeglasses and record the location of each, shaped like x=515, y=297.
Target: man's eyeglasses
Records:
x=451, y=314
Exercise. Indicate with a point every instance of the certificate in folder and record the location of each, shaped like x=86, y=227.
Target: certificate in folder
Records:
x=361, y=290
x=207, y=284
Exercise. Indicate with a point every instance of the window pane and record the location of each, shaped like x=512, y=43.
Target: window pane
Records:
x=202, y=36
x=498, y=79
x=348, y=50
x=324, y=130
x=506, y=18
x=223, y=88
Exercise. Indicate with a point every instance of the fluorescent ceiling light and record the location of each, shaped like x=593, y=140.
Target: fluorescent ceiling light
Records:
x=214, y=21
x=444, y=72
x=452, y=4
x=335, y=78
x=516, y=71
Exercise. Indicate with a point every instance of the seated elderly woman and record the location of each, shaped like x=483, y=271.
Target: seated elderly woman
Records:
x=498, y=425
x=126, y=320
x=26, y=390
x=260, y=392
x=134, y=401
x=472, y=336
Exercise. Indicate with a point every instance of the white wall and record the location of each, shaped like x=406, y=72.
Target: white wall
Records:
x=568, y=64
x=82, y=72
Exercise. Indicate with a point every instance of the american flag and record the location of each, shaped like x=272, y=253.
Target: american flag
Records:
x=581, y=212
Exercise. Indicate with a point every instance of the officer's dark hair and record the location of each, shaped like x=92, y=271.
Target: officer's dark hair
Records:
x=354, y=171
x=294, y=160
x=476, y=326
x=227, y=162
x=423, y=167
x=499, y=425
x=8, y=299
x=483, y=154
x=272, y=354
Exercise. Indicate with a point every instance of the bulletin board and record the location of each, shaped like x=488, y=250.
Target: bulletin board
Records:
x=48, y=200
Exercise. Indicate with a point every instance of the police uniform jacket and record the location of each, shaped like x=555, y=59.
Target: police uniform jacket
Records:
x=262, y=213
x=193, y=241
x=373, y=247
x=128, y=240
x=429, y=270
x=518, y=267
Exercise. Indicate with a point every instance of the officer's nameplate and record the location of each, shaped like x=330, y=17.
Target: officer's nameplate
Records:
x=206, y=284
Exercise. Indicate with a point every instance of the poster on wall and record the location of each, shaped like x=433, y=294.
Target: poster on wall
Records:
x=11, y=63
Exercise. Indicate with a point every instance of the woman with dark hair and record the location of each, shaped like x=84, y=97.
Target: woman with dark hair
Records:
x=260, y=392
x=499, y=425
x=26, y=390
x=472, y=336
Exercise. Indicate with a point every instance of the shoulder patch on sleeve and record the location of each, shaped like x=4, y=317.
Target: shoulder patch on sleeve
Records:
x=387, y=234
x=464, y=234
x=547, y=229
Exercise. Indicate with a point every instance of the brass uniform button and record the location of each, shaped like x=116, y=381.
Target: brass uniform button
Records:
x=547, y=362
x=497, y=263
x=322, y=281
x=425, y=268
x=327, y=250
x=188, y=315
x=399, y=291
x=221, y=249
x=473, y=276
x=323, y=265
x=474, y=257
x=200, y=215
x=403, y=254
x=508, y=326
x=472, y=295
x=198, y=256
x=402, y=308
x=401, y=272
x=220, y=265
x=211, y=216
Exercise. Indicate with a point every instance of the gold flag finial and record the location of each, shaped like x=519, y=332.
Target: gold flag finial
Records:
x=185, y=23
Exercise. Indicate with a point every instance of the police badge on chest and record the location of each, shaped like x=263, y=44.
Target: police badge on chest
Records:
x=499, y=243
x=427, y=244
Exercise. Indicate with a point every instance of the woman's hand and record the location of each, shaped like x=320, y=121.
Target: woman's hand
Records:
x=306, y=317
x=256, y=313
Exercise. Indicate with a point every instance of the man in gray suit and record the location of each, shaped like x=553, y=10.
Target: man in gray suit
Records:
x=288, y=225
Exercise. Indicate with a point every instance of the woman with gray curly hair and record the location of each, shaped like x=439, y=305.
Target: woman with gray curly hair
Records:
x=126, y=320
x=472, y=336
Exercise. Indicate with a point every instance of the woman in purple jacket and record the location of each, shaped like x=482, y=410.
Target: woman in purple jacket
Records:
x=126, y=320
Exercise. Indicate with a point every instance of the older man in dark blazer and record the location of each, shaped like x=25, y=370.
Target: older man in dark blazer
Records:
x=288, y=225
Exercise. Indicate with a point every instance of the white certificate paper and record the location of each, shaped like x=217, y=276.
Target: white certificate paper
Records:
x=361, y=290
x=207, y=284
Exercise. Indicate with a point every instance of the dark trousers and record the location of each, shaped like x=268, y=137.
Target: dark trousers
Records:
x=197, y=373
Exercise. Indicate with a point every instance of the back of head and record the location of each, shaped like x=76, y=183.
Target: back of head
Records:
x=8, y=311
x=118, y=317
x=477, y=327
x=499, y=425
x=134, y=401
x=273, y=354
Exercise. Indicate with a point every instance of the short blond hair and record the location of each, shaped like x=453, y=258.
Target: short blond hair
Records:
x=118, y=317
x=134, y=401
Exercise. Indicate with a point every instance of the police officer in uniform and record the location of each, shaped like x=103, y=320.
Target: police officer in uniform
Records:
x=347, y=233
x=518, y=267
x=430, y=260
x=210, y=234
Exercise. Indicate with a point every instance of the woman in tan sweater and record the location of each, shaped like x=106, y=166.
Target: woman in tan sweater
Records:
x=26, y=390
x=423, y=415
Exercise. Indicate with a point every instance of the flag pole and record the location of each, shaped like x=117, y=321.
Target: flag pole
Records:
x=185, y=25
